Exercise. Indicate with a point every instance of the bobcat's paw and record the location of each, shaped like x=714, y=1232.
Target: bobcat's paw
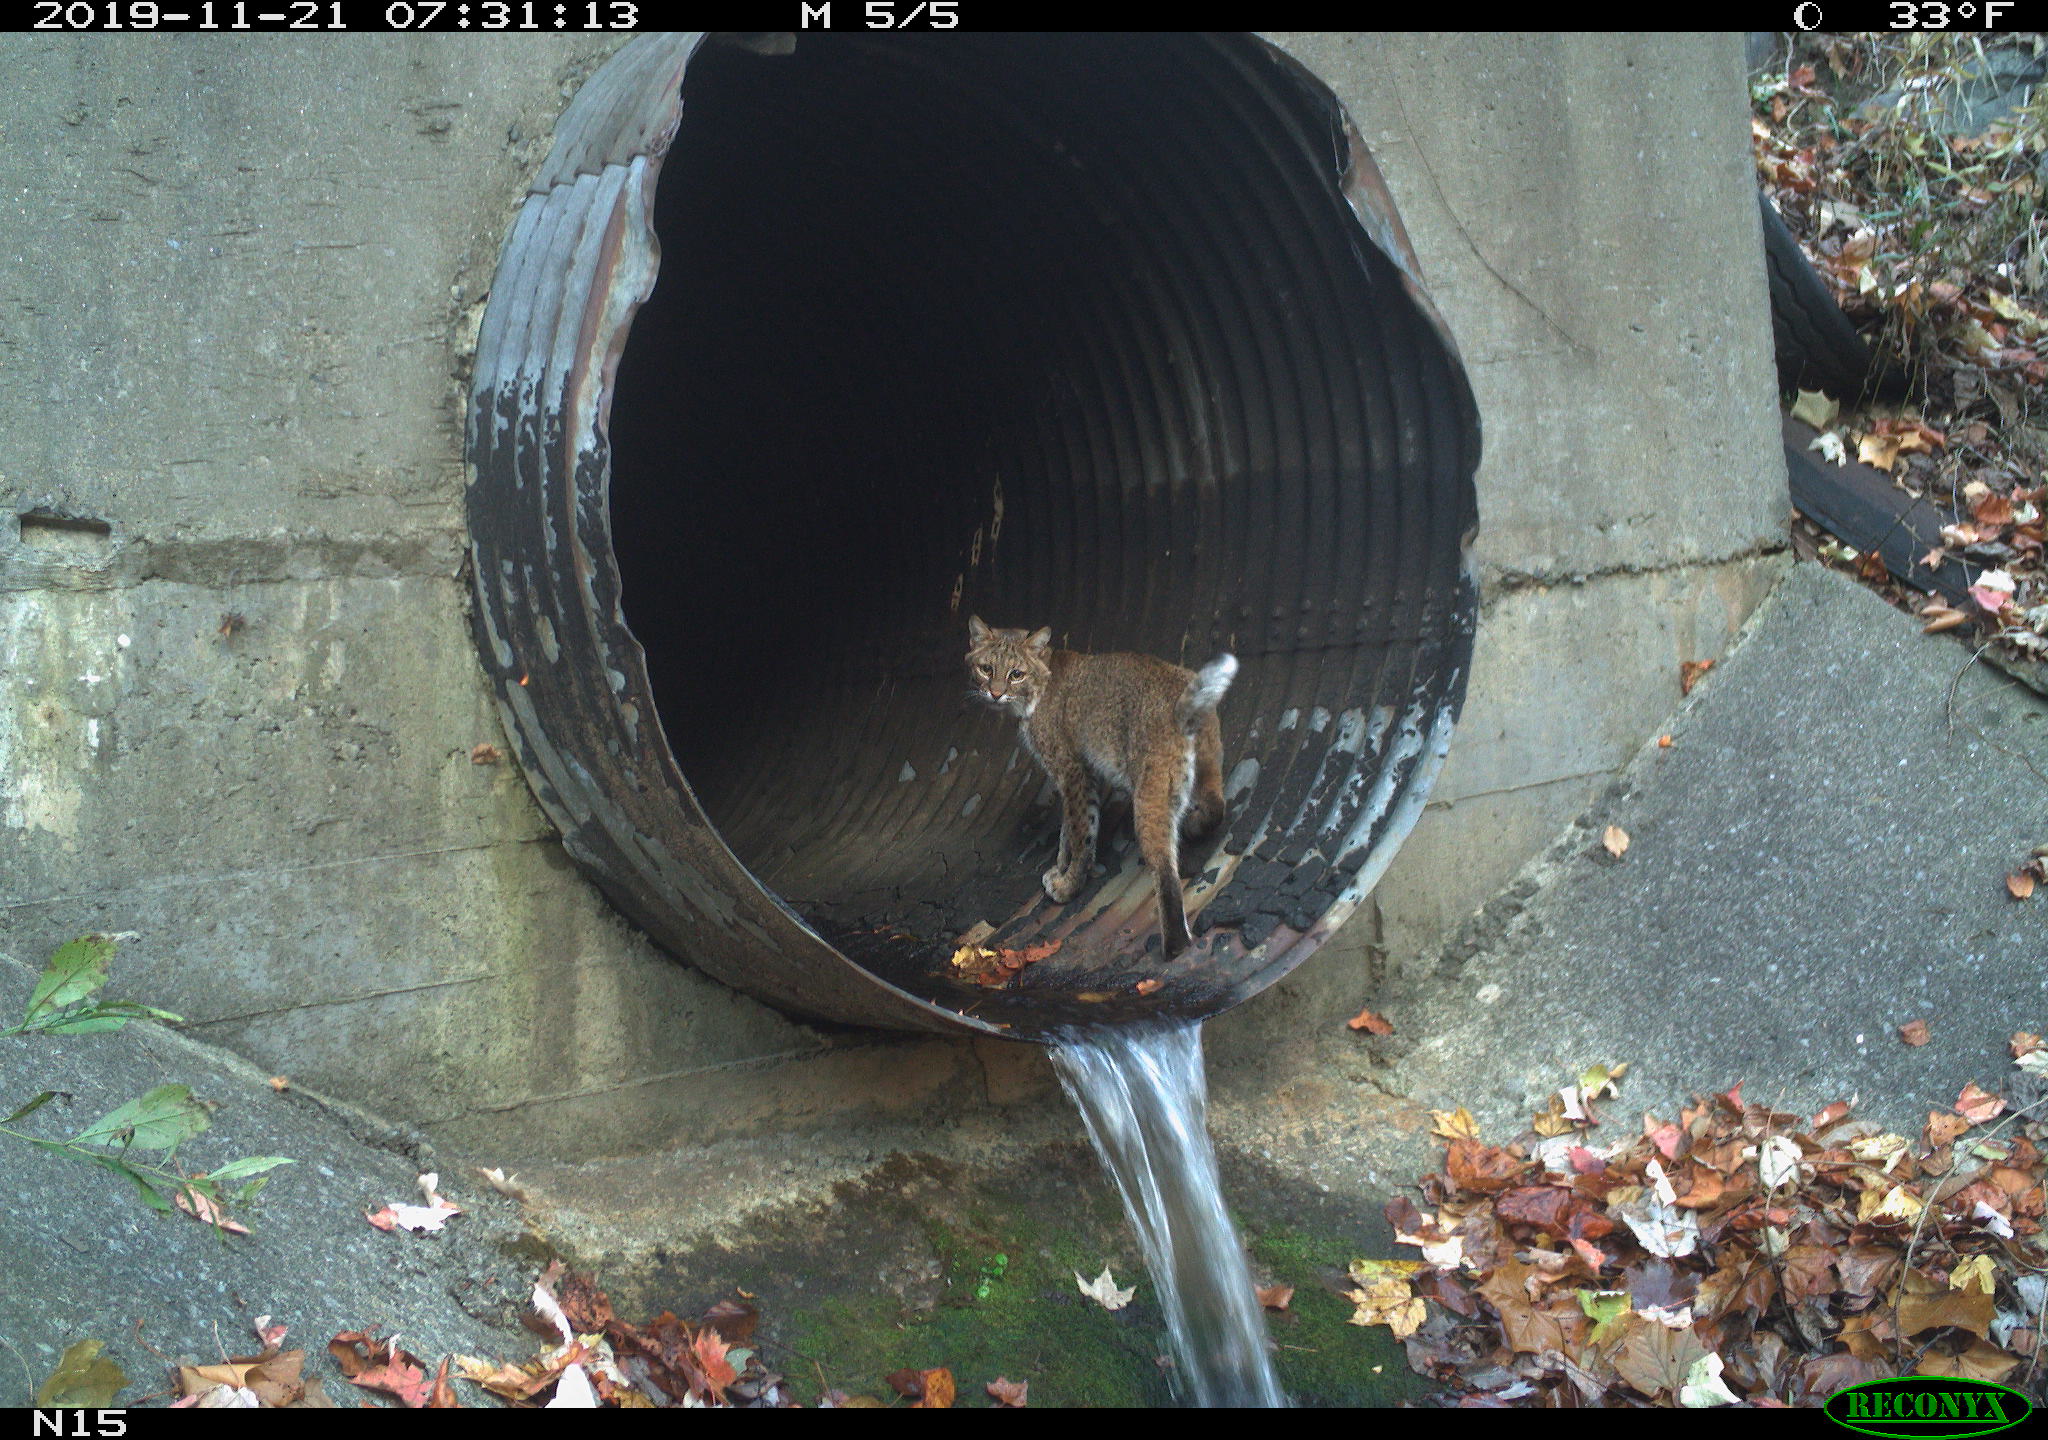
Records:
x=1061, y=886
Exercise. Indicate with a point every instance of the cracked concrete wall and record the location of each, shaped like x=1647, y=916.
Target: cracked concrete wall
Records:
x=233, y=319
x=242, y=278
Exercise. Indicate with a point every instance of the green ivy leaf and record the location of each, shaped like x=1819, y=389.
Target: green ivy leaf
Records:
x=108, y=1015
x=160, y=1120
x=144, y=1190
x=36, y=1104
x=255, y=1165
x=83, y=1379
x=1605, y=1308
x=74, y=972
x=90, y=1021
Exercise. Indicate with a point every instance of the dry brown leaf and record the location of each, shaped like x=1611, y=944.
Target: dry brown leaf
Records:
x=1372, y=1022
x=1473, y=1166
x=1008, y=1394
x=1104, y=1291
x=201, y=1208
x=1455, y=1124
x=1942, y=1129
x=1689, y=673
x=1615, y=841
x=1656, y=1359
x=1881, y=452
x=1385, y=1297
x=442, y=1395
x=1992, y=509
x=1914, y=1032
x=1275, y=1297
x=2020, y=884
x=924, y=1389
x=1969, y=1310
x=1982, y=1361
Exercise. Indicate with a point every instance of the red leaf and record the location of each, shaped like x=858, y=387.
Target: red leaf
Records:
x=408, y=1382
x=1543, y=1207
x=1978, y=1105
x=717, y=1370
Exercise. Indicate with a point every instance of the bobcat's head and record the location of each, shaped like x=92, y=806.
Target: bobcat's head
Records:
x=1009, y=667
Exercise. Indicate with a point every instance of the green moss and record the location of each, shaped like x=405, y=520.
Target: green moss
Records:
x=1323, y=1359
x=1006, y=1305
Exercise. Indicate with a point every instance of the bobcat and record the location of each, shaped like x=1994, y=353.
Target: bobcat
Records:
x=1113, y=722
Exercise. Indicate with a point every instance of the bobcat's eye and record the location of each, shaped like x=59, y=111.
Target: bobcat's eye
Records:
x=982, y=668
x=1016, y=674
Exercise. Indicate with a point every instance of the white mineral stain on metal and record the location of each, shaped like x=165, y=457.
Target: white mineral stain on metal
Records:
x=1399, y=798
x=1318, y=720
x=1351, y=730
x=973, y=804
x=1242, y=779
x=908, y=772
x=1362, y=738
x=1288, y=719
x=625, y=190
x=545, y=628
x=500, y=651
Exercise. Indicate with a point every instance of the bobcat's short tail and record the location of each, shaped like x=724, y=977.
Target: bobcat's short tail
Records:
x=1205, y=691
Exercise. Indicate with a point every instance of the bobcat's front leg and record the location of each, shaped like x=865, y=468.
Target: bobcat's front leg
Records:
x=1080, y=819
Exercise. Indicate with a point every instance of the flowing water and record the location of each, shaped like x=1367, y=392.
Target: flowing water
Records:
x=1142, y=1091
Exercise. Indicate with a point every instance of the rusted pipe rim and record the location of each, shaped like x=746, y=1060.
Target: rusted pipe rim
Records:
x=1116, y=334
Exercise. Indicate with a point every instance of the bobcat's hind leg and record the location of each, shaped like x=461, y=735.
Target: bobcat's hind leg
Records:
x=1206, y=806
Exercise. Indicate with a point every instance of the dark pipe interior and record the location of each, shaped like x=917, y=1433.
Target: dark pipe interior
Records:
x=1065, y=330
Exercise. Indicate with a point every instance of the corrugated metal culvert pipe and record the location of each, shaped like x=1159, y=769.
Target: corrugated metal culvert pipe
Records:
x=1119, y=335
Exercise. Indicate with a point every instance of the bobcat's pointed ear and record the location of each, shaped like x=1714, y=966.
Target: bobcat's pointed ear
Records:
x=1040, y=638
x=976, y=631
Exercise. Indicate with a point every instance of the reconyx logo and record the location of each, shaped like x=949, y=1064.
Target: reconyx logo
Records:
x=1927, y=1405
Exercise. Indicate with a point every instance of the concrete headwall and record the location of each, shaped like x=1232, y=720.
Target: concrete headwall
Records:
x=238, y=699
x=1584, y=211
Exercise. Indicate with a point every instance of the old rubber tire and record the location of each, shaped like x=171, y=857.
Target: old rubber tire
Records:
x=1817, y=345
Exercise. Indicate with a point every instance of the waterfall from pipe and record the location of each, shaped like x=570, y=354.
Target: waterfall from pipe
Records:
x=1143, y=1094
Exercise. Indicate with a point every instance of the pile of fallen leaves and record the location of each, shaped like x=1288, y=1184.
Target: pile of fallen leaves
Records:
x=993, y=965
x=602, y=1359
x=592, y=1359
x=1736, y=1255
x=1937, y=242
